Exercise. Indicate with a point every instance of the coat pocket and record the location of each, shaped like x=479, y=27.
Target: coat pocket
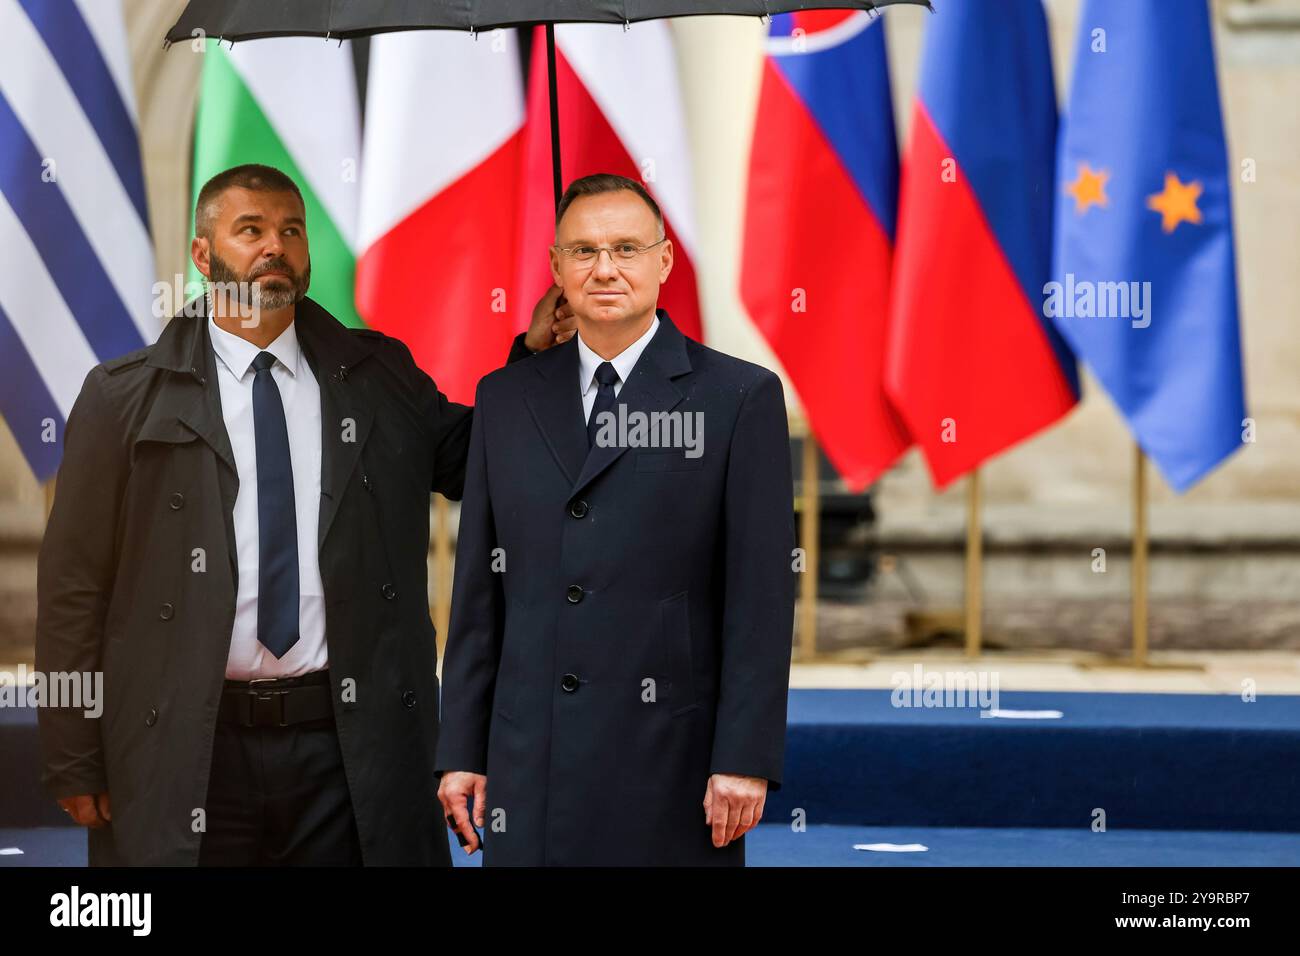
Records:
x=675, y=629
x=506, y=692
x=674, y=459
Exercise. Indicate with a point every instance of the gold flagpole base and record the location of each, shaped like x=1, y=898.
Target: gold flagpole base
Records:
x=441, y=610
x=809, y=507
x=973, y=624
x=1134, y=663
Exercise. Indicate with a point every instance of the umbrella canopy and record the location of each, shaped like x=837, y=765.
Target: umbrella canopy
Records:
x=346, y=19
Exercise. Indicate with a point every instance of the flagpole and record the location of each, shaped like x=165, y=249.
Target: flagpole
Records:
x=974, y=566
x=810, y=533
x=441, y=570
x=1139, y=590
x=1139, y=565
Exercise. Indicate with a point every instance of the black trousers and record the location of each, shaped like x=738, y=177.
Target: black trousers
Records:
x=277, y=796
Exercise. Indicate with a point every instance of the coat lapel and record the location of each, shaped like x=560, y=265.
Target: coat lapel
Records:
x=556, y=406
x=650, y=388
x=188, y=404
x=188, y=401
x=346, y=417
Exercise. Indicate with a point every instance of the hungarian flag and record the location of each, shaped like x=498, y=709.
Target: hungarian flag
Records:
x=1144, y=284
x=819, y=229
x=291, y=103
x=974, y=365
x=621, y=112
x=440, y=196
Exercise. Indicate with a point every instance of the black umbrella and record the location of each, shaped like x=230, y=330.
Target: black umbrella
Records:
x=346, y=19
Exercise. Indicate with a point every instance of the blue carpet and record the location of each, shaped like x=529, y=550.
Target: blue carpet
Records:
x=1149, y=761
x=776, y=845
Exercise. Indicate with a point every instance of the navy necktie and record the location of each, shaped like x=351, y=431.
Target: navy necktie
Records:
x=277, y=518
x=606, y=377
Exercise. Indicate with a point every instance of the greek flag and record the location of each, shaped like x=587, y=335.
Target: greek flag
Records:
x=76, y=261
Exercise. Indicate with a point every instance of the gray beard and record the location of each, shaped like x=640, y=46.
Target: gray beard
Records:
x=252, y=294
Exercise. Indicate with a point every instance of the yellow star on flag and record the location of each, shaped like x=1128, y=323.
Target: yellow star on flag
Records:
x=1177, y=203
x=1089, y=189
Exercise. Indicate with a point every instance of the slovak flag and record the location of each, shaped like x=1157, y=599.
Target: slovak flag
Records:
x=974, y=364
x=621, y=112
x=439, y=200
x=819, y=229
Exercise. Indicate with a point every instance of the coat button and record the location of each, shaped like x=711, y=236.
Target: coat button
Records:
x=408, y=698
x=389, y=592
x=569, y=683
x=152, y=717
x=365, y=482
x=574, y=594
x=177, y=501
x=578, y=509
x=166, y=612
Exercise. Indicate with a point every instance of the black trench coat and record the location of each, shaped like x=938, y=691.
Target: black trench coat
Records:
x=621, y=620
x=148, y=478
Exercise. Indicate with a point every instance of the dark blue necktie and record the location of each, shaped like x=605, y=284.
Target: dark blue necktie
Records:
x=277, y=518
x=606, y=376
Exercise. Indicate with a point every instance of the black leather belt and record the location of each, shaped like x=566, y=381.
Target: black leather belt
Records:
x=277, y=702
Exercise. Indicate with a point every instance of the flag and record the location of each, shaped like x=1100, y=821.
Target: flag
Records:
x=974, y=365
x=1144, y=283
x=76, y=260
x=819, y=229
x=291, y=103
x=621, y=112
x=440, y=199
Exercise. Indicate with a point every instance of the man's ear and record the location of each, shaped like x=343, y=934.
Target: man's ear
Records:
x=665, y=260
x=555, y=267
x=200, y=249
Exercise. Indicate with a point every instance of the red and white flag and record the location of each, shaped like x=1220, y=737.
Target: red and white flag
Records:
x=440, y=197
x=621, y=112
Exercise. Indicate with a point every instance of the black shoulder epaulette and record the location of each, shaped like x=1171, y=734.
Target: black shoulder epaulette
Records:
x=369, y=333
x=129, y=360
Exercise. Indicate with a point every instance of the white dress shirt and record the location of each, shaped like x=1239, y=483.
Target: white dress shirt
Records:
x=300, y=393
x=589, y=361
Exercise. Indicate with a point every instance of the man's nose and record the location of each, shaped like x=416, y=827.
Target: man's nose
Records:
x=272, y=246
x=604, y=267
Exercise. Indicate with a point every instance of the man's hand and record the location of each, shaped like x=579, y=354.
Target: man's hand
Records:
x=733, y=805
x=453, y=792
x=553, y=321
x=87, y=810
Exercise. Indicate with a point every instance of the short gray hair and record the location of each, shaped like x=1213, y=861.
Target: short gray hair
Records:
x=600, y=183
x=252, y=176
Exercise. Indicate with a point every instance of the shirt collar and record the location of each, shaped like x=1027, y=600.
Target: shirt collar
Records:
x=237, y=354
x=623, y=362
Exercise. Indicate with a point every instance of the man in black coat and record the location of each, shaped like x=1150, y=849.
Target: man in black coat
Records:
x=239, y=543
x=617, y=668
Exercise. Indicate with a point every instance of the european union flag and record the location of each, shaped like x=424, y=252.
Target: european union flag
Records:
x=1143, y=285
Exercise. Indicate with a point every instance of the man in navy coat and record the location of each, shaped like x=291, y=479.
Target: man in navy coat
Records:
x=618, y=661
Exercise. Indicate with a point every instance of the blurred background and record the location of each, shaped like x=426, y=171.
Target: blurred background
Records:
x=1225, y=556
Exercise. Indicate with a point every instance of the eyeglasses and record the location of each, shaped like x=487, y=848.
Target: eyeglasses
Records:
x=624, y=251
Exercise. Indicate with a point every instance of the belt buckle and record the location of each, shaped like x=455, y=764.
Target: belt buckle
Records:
x=259, y=697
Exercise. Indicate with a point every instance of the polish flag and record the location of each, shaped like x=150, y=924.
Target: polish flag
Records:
x=621, y=112
x=440, y=198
